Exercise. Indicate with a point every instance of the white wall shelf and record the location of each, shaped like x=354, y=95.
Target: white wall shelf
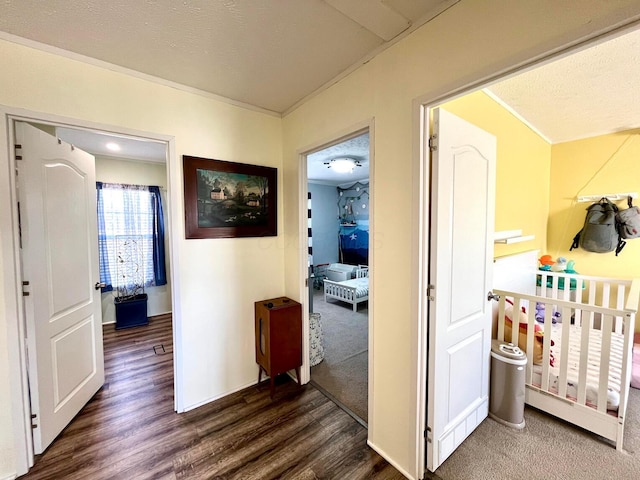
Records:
x=610, y=196
x=511, y=236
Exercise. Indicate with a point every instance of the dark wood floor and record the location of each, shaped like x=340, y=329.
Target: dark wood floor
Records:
x=130, y=431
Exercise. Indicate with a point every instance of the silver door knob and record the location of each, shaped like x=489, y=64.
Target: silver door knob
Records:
x=100, y=285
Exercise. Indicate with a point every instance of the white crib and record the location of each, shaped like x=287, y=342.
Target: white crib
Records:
x=584, y=374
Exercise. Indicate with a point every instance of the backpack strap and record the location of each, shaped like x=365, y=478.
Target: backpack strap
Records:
x=621, y=244
x=630, y=201
x=576, y=241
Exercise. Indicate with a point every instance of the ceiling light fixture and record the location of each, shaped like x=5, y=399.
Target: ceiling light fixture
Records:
x=114, y=147
x=343, y=164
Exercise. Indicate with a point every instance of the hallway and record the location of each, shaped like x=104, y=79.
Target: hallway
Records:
x=130, y=431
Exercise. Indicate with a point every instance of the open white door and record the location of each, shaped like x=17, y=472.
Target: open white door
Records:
x=460, y=273
x=57, y=194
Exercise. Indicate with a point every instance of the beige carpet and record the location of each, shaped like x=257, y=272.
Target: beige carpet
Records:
x=546, y=448
x=344, y=371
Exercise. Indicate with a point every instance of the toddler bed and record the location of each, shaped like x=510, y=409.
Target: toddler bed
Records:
x=353, y=291
x=580, y=347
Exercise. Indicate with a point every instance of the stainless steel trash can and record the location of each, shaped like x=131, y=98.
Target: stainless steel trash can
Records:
x=506, y=402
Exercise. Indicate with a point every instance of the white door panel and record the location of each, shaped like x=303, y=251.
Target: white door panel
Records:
x=69, y=266
x=462, y=215
x=56, y=189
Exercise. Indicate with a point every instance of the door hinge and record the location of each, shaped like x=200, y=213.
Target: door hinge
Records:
x=25, y=283
x=431, y=290
x=18, y=151
x=306, y=282
x=33, y=419
x=433, y=143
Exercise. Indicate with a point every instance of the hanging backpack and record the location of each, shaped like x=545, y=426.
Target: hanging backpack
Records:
x=600, y=231
x=629, y=221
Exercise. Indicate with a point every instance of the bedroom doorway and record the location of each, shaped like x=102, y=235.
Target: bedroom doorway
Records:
x=49, y=125
x=338, y=216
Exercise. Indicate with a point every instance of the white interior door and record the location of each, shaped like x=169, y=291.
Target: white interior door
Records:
x=57, y=194
x=461, y=251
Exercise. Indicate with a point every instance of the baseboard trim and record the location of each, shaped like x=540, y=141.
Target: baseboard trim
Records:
x=384, y=455
x=12, y=476
x=218, y=397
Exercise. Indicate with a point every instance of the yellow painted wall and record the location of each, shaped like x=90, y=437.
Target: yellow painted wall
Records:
x=522, y=170
x=593, y=166
x=598, y=165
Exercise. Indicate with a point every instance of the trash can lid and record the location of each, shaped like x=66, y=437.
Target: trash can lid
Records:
x=508, y=350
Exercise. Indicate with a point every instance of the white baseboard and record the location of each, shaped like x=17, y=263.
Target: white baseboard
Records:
x=218, y=397
x=384, y=455
x=12, y=476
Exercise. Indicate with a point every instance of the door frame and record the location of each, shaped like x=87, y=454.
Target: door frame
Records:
x=422, y=107
x=303, y=274
x=12, y=272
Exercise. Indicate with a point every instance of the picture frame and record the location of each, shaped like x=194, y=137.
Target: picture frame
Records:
x=227, y=199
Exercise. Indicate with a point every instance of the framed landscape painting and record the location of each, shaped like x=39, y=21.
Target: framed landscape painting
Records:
x=227, y=199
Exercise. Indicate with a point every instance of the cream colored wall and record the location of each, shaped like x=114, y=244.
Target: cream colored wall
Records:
x=215, y=281
x=598, y=165
x=522, y=170
x=468, y=42
x=6, y=440
x=138, y=173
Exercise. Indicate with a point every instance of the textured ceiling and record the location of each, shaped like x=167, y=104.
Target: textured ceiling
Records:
x=266, y=53
x=272, y=54
x=592, y=92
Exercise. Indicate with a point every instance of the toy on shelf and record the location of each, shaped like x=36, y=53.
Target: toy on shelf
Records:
x=547, y=264
x=560, y=265
x=570, y=269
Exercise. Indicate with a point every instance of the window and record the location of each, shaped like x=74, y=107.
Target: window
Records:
x=130, y=210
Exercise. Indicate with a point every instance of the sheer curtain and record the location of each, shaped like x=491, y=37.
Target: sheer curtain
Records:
x=132, y=210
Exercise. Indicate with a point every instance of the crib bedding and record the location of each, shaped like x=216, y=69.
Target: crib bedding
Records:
x=593, y=369
x=360, y=284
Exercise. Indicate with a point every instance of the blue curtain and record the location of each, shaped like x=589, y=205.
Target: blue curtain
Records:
x=130, y=210
x=159, y=270
x=103, y=254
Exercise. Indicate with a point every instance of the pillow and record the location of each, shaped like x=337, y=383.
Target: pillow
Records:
x=522, y=334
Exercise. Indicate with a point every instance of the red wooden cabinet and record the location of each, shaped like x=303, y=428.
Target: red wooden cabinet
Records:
x=278, y=325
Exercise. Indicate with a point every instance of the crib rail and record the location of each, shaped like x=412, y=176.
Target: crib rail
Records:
x=594, y=338
x=568, y=311
x=592, y=290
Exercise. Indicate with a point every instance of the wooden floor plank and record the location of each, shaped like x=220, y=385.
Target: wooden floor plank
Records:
x=130, y=431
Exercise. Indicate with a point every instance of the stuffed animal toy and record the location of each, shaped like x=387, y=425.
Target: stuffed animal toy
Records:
x=522, y=334
x=545, y=262
x=560, y=265
x=570, y=267
x=540, y=311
